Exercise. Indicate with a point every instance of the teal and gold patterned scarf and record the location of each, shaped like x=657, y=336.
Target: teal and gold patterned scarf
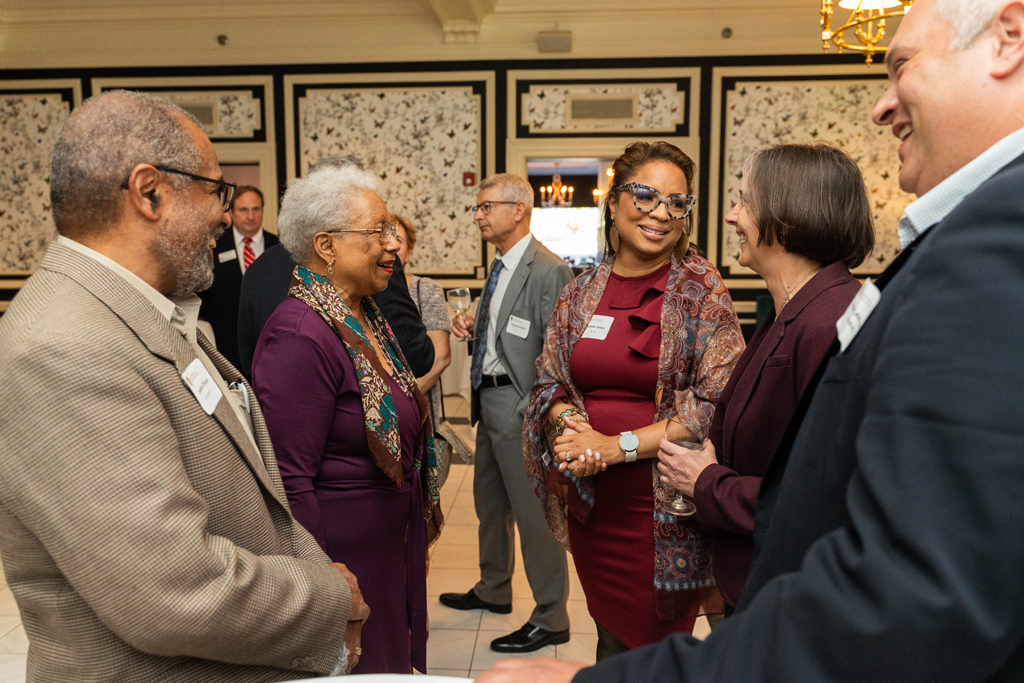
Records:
x=381, y=416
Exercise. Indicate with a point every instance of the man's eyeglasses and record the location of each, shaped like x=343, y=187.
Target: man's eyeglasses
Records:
x=487, y=206
x=646, y=199
x=225, y=190
x=386, y=231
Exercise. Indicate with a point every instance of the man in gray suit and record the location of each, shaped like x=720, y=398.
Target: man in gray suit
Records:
x=521, y=291
x=144, y=529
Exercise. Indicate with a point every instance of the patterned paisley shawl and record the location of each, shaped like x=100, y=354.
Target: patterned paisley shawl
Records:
x=382, y=434
x=701, y=341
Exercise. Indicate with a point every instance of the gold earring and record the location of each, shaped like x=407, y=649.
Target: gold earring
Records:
x=330, y=268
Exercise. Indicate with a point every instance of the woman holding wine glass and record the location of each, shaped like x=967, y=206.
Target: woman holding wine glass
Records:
x=804, y=220
x=649, y=333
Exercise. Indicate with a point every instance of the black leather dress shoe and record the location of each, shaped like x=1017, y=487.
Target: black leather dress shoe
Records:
x=471, y=601
x=528, y=639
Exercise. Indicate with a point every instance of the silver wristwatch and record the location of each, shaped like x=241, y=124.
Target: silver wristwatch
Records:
x=629, y=443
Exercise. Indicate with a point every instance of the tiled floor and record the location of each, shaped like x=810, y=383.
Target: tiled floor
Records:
x=459, y=641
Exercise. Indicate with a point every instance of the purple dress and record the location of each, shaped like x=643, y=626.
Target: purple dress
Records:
x=306, y=385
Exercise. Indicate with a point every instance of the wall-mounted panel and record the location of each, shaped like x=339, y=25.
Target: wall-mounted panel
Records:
x=758, y=108
x=32, y=114
x=600, y=103
x=427, y=137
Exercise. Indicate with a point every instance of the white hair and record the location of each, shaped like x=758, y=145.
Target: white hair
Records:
x=320, y=201
x=103, y=141
x=968, y=17
x=513, y=189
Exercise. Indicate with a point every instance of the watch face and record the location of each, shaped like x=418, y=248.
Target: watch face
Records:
x=629, y=442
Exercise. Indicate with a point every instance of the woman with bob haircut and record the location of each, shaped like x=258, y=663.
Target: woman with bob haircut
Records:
x=648, y=334
x=804, y=221
x=350, y=426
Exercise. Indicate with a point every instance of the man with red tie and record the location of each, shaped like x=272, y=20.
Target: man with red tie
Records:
x=234, y=252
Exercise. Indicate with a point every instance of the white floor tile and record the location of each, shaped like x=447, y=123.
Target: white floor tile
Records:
x=451, y=673
x=455, y=557
x=15, y=642
x=579, y=618
x=581, y=648
x=8, y=606
x=445, y=580
x=701, y=629
x=450, y=649
x=12, y=668
x=484, y=657
x=442, y=617
x=458, y=534
x=522, y=608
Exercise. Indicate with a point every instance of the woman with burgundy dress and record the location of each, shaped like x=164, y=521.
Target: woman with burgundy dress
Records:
x=350, y=426
x=803, y=220
x=650, y=333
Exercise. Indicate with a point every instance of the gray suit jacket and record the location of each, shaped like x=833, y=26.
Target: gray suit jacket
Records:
x=143, y=539
x=531, y=295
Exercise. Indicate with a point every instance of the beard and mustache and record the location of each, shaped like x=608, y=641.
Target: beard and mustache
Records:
x=185, y=247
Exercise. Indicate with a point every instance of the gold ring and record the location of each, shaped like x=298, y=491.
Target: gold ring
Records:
x=568, y=456
x=359, y=651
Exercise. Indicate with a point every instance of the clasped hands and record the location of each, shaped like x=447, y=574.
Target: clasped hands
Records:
x=356, y=616
x=583, y=450
x=680, y=467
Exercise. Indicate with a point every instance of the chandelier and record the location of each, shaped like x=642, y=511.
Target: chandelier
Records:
x=867, y=22
x=556, y=194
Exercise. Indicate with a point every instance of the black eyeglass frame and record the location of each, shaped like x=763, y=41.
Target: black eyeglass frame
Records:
x=487, y=206
x=632, y=187
x=225, y=189
x=385, y=235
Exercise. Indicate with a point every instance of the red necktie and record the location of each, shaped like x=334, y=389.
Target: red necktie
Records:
x=248, y=255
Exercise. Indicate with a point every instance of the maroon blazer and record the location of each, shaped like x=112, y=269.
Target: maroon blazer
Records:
x=752, y=414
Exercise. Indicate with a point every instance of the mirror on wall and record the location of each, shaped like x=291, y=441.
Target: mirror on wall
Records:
x=568, y=195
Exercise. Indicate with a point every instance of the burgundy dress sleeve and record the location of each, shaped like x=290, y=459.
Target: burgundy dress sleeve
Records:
x=296, y=385
x=725, y=500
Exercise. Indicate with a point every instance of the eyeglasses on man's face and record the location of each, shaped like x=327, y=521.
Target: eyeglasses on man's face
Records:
x=646, y=199
x=225, y=190
x=486, y=207
x=386, y=231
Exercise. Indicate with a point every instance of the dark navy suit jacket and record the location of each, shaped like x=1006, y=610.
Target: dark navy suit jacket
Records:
x=890, y=525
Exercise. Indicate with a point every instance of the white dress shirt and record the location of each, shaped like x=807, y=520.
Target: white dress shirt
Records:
x=510, y=261
x=938, y=202
x=256, y=246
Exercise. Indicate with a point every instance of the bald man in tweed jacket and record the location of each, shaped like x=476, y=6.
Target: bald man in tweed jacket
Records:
x=145, y=533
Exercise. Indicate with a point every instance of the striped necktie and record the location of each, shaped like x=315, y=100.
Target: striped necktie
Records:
x=248, y=255
x=483, y=316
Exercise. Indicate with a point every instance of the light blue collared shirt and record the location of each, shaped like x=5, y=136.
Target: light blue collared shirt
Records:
x=938, y=202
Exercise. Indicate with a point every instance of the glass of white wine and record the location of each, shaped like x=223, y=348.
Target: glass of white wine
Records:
x=680, y=435
x=460, y=299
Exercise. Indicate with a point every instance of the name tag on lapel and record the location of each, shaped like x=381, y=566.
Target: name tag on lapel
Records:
x=599, y=327
x=518, y=327
x=226, y=256
x=200, y=381
x=857, y=313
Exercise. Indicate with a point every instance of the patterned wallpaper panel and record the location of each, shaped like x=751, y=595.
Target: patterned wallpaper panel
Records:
x=658, y=108
x=761, y=113
x=29, y=125
x=224, y=114
x=421, y=141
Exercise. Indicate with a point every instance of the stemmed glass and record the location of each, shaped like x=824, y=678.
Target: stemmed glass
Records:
x=460, y=300
x=680, y=435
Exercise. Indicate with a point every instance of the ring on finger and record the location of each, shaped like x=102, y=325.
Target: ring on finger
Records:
x=568, y=456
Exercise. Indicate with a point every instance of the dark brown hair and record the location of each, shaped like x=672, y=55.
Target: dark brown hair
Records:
x=242, y=189
x=812, y=200
x=635, y=157
x=410, y=229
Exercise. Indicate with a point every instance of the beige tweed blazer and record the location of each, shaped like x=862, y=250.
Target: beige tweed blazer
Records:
x=143, y=539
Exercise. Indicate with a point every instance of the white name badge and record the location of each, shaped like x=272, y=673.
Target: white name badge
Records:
x=857, y=313
x=599, y=327
x=226, y=256
x=518, y=327
x=199, y=380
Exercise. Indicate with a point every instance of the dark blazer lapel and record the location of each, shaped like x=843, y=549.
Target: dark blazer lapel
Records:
x=748, y=370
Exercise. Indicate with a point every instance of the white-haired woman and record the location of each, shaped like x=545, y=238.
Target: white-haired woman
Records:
x=343, y=409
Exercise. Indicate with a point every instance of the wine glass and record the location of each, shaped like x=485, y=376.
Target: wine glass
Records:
x=680, y=435
x=460, y=299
